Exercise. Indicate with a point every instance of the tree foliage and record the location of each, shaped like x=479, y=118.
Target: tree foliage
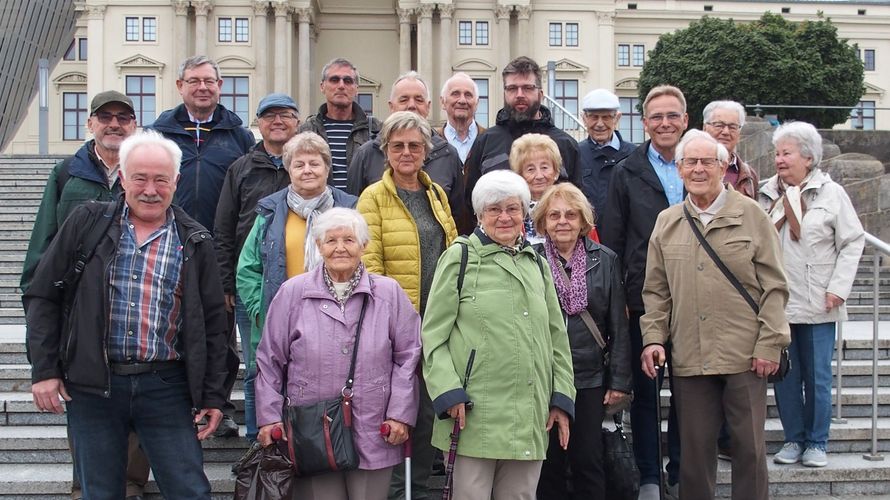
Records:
x=770, y=61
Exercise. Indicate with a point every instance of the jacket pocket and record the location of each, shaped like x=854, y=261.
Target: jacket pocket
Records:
x=818, y=276
x=675, y=251
x=736, y=249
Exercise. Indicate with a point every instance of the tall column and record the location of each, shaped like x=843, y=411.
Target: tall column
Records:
x=425, y=40
x=503, y=14
x=180, y=31
x=202, y=8
x=305, y=76
x=260, y=37
x=96, y=47
x=281, y=38
x=404, y=40
x=446, y=39
x=523, y=14
x=606, y=51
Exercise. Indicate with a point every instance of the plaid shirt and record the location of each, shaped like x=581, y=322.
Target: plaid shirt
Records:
x=145, y=295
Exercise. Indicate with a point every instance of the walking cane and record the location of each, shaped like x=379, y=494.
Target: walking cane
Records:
x=384, y=431
x=658, y=433
x=455, y=435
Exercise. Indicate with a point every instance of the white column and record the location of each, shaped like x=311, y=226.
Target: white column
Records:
x=446, y=39
x=425, y=41
x=281, y=38
x=606, y=50
x=180, y=31
x=503, y=14
x=260, y=37
x=202, y=8
x=523, y=14
x=404, y=40
x=96, y=46
x=304, y=75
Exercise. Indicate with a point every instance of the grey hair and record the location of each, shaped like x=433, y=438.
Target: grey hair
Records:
x=338, y=61
x=340, y=218
x=495, y=187
x=194, y=62
x=148, y=138
x=405, y=120
x=661, y=90
x=306, y=142
x=693, y=134
x=460, y=75
x=411, y=75
x=805, y=135
x=727, y=105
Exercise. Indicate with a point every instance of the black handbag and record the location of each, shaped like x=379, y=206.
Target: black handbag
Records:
x=619, y=465
x=319, y=435
x=784, y=358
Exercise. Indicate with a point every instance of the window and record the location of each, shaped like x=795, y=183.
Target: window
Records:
x=225, y=29
x=82, y=49
x=149, y=29
x=466, y=32
x=709, y=8
x=78, y=45
x=482, y=33
x=623, y=54
x=71, y=53
x=869, y=59
x=571, y=34
x=141, y=89
x=786, y=10
x=630, y=126
x=565, y=93
x=233, y=29
x=863, y=117
x=132, y=29
x=555, y=34
x=482, y=109
x=74, y=115
x=235, y=96
x=141, y=28
x=242, y=30
x=366, y=101
x=639, y=55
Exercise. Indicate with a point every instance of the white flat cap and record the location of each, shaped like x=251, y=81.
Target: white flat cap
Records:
x=600, y=99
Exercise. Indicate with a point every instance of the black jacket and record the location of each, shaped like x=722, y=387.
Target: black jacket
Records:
x=635, y=199
x=605, y=303
x=249, y=179
x=597, y=165
x=364, y=128
x=74, y=348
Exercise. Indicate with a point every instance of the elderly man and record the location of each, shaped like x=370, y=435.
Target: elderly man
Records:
x=603, y=148
x=145, y=347
x=642, y=185
x=725, y=340
x=410, y=93
x=459, y=100
x=340, y=120
x=724, y=121
x=255, y=175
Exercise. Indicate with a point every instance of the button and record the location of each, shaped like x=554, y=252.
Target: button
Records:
x=701, y=267
x=702, y=317
x=132, y=304
x=130, y=333
x=525, y=313
x=131, y=226
x=138, y=252
x=325, y=306
x=135, y=277
x=527, y=453
x=530, y=381
x=344, y=350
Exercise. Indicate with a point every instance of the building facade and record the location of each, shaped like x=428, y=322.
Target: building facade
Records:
x=263, y=46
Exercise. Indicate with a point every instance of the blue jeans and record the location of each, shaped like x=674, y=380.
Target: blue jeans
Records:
x=158, y=407
x=244, y=326
x=804, y=396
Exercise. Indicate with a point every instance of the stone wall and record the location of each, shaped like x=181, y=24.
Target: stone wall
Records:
x=871, y=142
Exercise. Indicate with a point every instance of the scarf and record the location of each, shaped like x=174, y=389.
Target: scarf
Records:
x=309, y=210
x=790, y=207
x=572, y=295
x=350, y=285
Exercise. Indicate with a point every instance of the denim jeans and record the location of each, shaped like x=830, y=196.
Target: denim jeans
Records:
x=804, y=396
x=158, y=407
x=244, y=327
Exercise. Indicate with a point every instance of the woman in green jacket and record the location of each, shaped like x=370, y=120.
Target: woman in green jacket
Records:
x=501, y=303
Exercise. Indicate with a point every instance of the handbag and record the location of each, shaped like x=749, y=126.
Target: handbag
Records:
x=264, y=474
x=784, y=358
x=619, y=465
x=319, y=435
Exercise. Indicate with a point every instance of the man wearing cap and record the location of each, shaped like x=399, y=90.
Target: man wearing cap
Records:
x=603, y=148
x=255, y=175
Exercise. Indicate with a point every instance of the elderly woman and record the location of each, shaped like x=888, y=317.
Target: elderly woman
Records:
x=724, y=341
x=822, y=240
x=588, y=281
x=536, y=158
x=308, y=340
x=500, y=303
x=278, y=246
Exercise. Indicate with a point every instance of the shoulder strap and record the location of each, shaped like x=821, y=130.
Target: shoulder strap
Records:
x=585, y=316
x=720, y=265
x=358, y=330
x=87, y=246
x=62, y=175
x=464, y=256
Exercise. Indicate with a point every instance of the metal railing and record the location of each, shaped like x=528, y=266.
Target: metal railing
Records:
x=858, y=113
x=565, y=119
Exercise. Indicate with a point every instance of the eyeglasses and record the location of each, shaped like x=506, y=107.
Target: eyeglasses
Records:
x=105, y=117
x=399, y=147
x=494, y=211
x=705, y=162
x=196, y=82
x=336, y=79
x=556, y=215
x=270, y=116
x=526, y=89
x=671, y=117
x=733, y=127
x=596, y=117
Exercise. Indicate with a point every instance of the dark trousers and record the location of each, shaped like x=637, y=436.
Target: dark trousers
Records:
x=137, y=468
x=584, y=456
x=422, y=453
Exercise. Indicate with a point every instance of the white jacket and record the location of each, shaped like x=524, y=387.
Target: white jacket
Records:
x=826, y=257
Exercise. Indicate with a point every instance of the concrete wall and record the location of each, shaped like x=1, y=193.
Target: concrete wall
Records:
x=870, y=142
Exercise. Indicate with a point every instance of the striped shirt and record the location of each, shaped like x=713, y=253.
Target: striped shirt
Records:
x=145, y=294
x=338, y=132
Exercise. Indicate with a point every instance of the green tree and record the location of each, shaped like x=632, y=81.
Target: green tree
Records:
x=769, y=61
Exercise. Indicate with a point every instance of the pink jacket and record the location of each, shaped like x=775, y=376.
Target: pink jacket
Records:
x=307, y=334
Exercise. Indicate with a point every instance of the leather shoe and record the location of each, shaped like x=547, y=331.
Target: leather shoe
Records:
x=227, y=428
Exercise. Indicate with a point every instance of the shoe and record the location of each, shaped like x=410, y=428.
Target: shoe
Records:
x=789, y=454
x=672, y=491
x=814, y=457
x=227, y=428
x=649, y=491
x=724, y=454
x=134, y=497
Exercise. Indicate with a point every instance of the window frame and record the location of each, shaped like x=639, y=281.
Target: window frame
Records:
x=232, y=96
x=80, y=118
x=867, y=110
x=473, y=33
x=623, y=62
x=866, y=60
x=577, y=34
x=570, y=102
x=229, y=29
x=642, y=55
x=630, y=124
x=132, y=29
x=369, y=111
x=139, y=98
x=242, y=22
x=149, y=35
x=554, y=36
x=484, y=106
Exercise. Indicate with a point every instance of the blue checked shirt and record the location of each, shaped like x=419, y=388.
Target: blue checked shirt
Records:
x=668, y=174
x=145, y=295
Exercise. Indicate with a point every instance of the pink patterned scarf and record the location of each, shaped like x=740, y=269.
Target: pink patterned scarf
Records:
x=572, y=295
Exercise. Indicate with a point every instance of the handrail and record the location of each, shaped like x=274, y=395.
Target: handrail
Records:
x=879, y=244
x=578, y=131
x=881, y=247
x=553, y=104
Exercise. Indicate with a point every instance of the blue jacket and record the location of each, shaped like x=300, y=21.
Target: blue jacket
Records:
x=597, y=165
x=203, y=170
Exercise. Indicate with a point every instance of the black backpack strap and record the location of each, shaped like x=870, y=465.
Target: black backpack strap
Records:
x=87, y=246
x=62, y=175
x=464, y=256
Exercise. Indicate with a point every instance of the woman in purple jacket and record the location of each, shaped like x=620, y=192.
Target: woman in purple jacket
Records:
x=310, y=332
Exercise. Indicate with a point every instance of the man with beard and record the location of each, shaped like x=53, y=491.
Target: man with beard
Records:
x=522, y=114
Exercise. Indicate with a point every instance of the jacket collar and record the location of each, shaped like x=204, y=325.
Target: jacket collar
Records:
x=544, y=122
x=168, y=121
x=637, y=163
x=817, y=179
x=315, y=287
x=730, y=215
x=87, y=165
x=390, y=184
x=359, y=118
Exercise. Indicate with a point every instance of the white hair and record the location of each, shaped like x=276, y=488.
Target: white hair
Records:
x=341, y=218
x=411, y=75
x=497, y=186
x=805, y=135
x=727, y=105
x=149, y=138
x=460, y=75
x=693, y=134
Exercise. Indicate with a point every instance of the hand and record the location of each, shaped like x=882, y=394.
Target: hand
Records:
x=764, y=367
x=653, y=358
x=398, y=432
x=265, y=434
x=46, y=395
x=214, y=416
x=614, y=397
x=832, y=301
x=562, y=421
x=459, y=413
x=230, y=302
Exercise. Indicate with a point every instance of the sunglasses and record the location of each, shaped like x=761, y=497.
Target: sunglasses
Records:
x=105, y=117
x=335, y=79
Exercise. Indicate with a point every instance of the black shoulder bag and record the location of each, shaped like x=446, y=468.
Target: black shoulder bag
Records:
x=319, y=435
x=784, y=359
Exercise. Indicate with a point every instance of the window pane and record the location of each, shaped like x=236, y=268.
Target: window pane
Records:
x=71, y=53
x=571, y=34
x=630, y=127
x=869, y=59
x=242, y=30
x=74, y=115
x=225, y=29
x=566, y=95
x=149, y=29
x=623, y=55
x=555, y=34
x=482, y=33
x=465, y=33
x=235, y=97
x=482, y=109
x=141, y=90
x=82, y=48
x=132, y=29
x=134, y=85
x=366, y=101
x=639, y=55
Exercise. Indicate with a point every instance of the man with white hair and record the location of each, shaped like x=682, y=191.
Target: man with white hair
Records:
x=724, y=121
x=146, y=346
x=459, y=100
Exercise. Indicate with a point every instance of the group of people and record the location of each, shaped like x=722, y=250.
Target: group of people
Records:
x=513, y=282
